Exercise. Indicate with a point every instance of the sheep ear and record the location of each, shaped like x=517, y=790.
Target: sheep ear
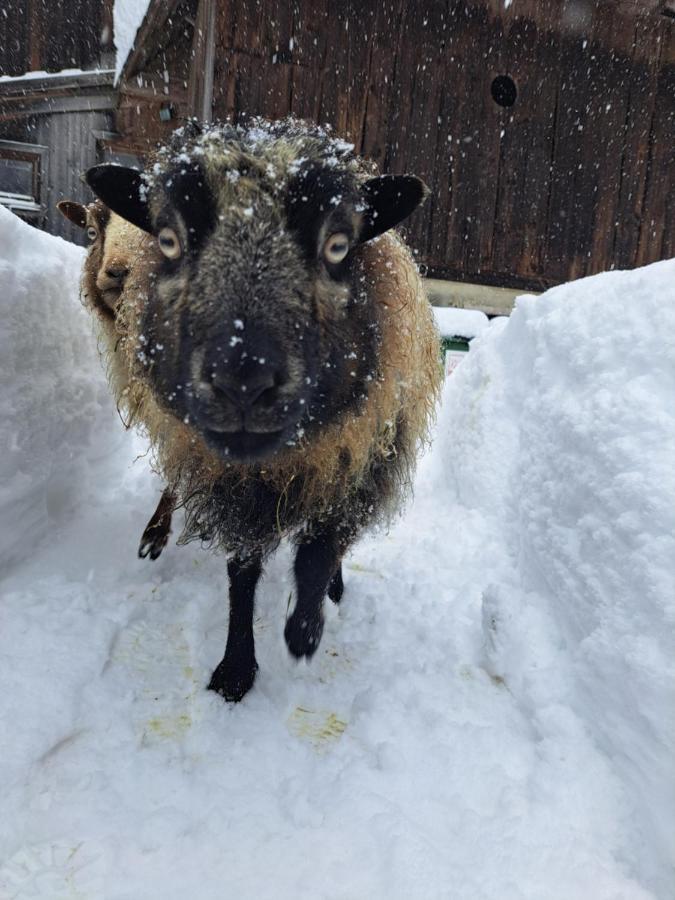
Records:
x=390, y=199
x=74, y=212
x=122, y=190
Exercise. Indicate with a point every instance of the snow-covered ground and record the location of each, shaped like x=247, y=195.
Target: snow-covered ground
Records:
x=491, y=713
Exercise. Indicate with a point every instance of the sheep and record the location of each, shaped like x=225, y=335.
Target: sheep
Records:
x=279, y=352
x=113, y=247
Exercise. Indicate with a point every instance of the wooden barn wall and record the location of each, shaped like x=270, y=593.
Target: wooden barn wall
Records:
x=576, y=177
x=52, y=35
x=72, y=149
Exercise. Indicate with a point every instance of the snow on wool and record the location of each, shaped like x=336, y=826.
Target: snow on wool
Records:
x=490, y=714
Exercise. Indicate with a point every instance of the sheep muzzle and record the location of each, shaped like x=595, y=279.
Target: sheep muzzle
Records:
x=246, y=397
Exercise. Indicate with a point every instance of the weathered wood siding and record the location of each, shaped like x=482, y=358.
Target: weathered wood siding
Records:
x=576, y=177
x=72, y=149
x=52, y=35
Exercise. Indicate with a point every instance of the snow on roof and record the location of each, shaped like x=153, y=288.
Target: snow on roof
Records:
x=127, y=18
x=41, y=74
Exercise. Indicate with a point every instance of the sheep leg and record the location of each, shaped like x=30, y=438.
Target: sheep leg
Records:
x=316, y=566
x=158, y=529
x=235, y=675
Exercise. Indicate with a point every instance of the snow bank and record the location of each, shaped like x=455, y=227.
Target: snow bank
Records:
x=128, y=16
x=561, y=428
x=54, y=398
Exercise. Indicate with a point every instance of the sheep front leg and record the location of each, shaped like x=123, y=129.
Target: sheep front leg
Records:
x=235, y=675
x=317, y=570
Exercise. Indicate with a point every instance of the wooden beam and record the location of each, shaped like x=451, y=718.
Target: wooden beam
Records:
x=200, y=84
x=24, y=87
x=493, y=301
x=35, y=37
x=52, y=105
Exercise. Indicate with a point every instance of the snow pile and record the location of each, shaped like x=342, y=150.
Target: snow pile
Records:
x=128, y=16
x=489, y=715
x=561, y=428
x=53, y=391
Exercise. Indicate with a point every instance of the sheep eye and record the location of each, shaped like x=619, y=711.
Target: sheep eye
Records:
x=169, y=243
x=92, y=233
x=336, y=248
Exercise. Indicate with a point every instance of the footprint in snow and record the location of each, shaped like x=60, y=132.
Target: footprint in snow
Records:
x=158, y=660
x=58, y=871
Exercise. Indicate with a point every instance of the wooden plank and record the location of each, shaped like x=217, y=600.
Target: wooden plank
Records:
x=380, y=86
x=465, y=65
x=14, y=37
x=200, y=82
x=494, y=301
x=54, y=105
x=641, y=104
x=604, y=140
x=36, y=60
x=656, y=239
x=529, y=55
x=34, y=88
x=569, y=226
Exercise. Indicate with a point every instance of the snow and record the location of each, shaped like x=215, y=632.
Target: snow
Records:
x=466, y=323
x=42, y=75
x=128, y=16
x=54, y=398
x=490, y=712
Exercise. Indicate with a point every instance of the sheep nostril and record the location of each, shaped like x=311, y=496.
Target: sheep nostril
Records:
x=116, y=273
x=246, y=392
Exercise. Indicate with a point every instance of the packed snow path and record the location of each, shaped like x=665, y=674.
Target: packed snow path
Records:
x=490, y=713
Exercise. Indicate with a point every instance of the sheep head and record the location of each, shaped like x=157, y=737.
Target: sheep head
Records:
x=113, y=243
x=258, y=327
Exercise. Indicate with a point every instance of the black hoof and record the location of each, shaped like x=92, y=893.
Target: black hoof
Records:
x=154, y=540
x=233, y=682
x=336, y=586
x=303, y=634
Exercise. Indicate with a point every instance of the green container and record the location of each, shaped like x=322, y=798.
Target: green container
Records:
x=454, y=343
x=452, y=351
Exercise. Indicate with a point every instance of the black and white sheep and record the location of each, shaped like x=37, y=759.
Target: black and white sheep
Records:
x=279, y=351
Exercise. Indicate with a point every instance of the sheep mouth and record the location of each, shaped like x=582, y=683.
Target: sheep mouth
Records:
x=111, y=296
x=245, y=446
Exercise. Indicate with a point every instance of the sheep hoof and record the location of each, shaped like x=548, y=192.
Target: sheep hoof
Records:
x=154, y=540
x=233, y=682
x=303, y=634
x=336, y=586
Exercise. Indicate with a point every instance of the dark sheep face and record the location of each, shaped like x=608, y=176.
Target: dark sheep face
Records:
x=258, y=328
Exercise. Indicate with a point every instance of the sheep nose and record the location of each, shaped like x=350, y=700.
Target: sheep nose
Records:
x=117, y=273
x=246, y=389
